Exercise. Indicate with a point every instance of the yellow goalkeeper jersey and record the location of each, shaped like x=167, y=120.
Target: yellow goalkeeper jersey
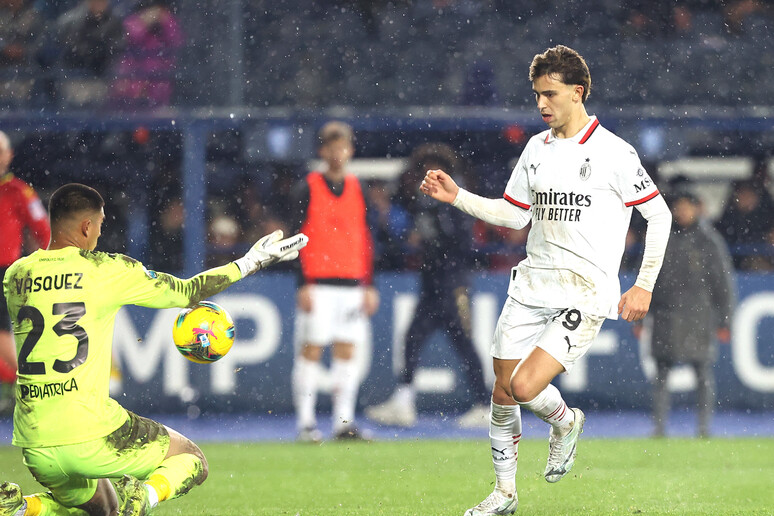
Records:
x=63, y=305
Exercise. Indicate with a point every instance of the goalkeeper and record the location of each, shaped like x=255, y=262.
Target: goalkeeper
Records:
x=74, y=437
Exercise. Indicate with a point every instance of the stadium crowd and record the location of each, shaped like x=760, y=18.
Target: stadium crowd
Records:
x=150, y=53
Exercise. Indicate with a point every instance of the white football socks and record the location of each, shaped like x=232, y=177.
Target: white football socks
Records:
x=404, y=395
x=551, y=408
x=345, y=389
x=504, y=437
x=304, y=379
x=153, y=496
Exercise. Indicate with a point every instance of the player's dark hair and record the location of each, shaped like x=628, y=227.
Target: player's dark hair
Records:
x=72, y=198
x=564, y=62
x=334, y=131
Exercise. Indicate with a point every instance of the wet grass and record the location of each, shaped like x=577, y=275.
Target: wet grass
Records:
x=638, y=476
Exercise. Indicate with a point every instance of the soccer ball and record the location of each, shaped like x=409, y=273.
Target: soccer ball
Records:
x=204, y=333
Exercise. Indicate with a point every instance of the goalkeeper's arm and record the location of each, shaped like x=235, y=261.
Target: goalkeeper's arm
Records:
x=269, y=250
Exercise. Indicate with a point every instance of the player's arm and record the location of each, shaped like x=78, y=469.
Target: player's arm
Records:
x=635, y=302
x=440, y=186
x=161, y=290
x=35, y=217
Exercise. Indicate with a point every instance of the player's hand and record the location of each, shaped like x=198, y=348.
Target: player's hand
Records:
x=269, y=250
x=370, y=301
x=440, y=186
x=634, y=304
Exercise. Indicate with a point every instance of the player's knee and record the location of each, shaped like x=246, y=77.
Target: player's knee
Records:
x=521, y=392
x=313, y=353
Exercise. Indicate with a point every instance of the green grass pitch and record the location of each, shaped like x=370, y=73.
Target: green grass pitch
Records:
x=611, y=476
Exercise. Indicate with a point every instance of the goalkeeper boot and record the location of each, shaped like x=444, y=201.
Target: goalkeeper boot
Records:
x=11, y=499
x=393, y=412
x=134, y=497
x=496, y=503
x=563, y=449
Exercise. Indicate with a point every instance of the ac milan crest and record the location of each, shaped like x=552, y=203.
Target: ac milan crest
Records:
x=585, y=170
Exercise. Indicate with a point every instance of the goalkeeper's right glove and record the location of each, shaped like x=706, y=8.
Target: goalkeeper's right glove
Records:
x=269, y=250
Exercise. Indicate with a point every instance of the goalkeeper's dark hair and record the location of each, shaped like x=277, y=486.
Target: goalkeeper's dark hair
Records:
x=334, y=131
x=73, y=198
x=565, y=64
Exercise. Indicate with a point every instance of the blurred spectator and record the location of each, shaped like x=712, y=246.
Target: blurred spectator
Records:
x=145, y=74
x=20, y=31
x=479, y=88
x=691, y=307
x=746, y=221
x=390, y=225
x=91, y=36
x=166, y=238
x=444, y=303
x=660, y=18
x=738, y=11
x=223, y=238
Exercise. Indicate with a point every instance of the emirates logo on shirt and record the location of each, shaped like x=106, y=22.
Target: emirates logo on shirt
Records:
x=559, y=206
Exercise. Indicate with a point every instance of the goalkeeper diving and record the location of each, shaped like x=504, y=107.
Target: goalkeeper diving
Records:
x=63, y=302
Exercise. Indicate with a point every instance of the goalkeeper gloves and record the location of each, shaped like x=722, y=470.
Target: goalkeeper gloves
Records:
x=269, y=250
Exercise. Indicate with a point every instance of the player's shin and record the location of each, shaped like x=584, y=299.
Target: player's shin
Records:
x=346, y=385
x=551, y=408
x=176, y=476
x=304, y=382
x=504, y=437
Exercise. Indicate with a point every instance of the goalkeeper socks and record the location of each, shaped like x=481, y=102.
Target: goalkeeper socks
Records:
x=45, y=505
x=551, y=408
x=304, y=380
x=504, y=437
x=176, y=476
x=345, y=386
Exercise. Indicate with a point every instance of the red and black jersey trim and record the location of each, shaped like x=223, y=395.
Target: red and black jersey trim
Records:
x=515, y=202
x=644, y=199
x=593, y=128
x=586, y=136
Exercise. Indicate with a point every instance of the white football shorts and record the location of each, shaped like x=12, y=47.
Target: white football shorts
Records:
x=337, y=316
x=564, y=333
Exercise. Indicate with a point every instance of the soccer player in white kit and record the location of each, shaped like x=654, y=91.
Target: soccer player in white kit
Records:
x=576, y=183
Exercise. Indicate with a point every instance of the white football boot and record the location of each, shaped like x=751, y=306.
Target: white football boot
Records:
x=496, y=503
x=393, y=412
x=562, y=450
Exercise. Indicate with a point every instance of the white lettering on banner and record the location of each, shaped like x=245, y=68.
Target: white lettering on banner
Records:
x=247, y=350
x=577, y=380
x=744, y=351
x=485, y=310
x=141, y=357
x=484, y=313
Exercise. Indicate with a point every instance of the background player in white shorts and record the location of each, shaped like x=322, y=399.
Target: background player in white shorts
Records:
x=576, y=183
x=336, y=296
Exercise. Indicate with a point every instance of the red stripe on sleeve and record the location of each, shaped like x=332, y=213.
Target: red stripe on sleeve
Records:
x=644, y=199
x=515, y=202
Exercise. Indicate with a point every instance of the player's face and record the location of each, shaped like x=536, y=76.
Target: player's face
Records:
x=556, y=100
x=337, y=153
x=95, y=230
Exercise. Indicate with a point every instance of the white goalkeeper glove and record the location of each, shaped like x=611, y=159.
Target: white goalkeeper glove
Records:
x=269, y=250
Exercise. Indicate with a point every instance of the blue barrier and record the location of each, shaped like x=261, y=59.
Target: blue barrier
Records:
x=255, y=376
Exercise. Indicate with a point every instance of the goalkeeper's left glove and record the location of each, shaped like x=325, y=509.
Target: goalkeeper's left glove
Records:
x=269, y=250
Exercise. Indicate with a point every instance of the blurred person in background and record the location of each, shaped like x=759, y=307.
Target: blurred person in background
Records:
x=224, y=237
x=20, y=32
x=745, y=222
x=90, y=37
x=444, y=239
x=20, y=209
x=336, y=296
x=691, y=307
x=145, y=74
x=390, y=225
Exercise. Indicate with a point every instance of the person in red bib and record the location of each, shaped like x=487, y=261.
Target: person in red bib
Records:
x=20, y=208
x=336, y=296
